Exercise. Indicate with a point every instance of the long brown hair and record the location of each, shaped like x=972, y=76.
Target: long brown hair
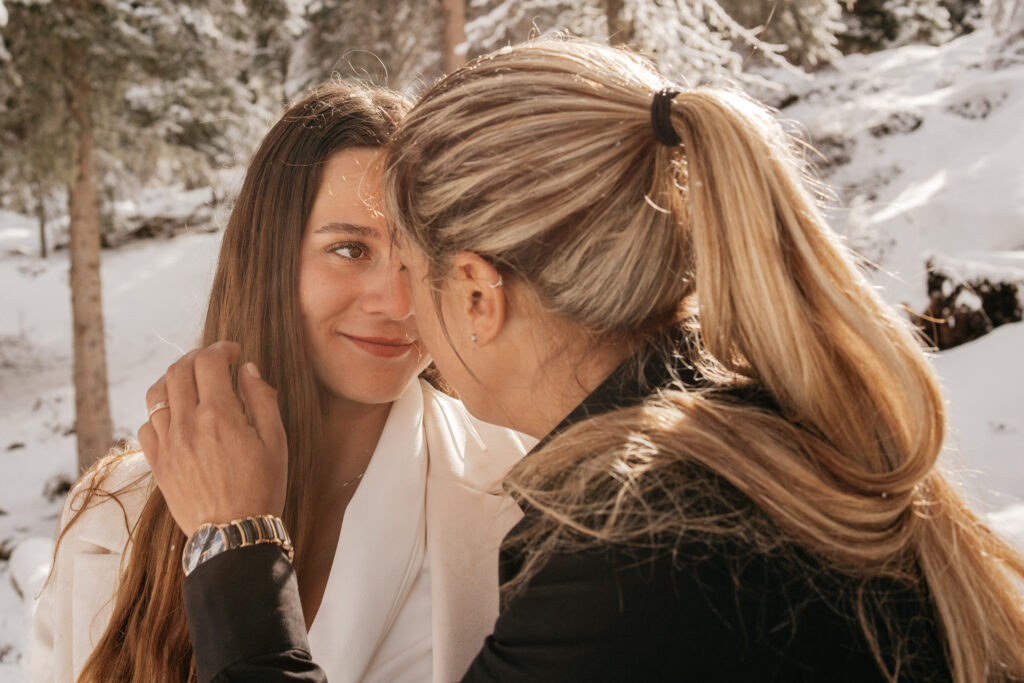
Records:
x=542, y=159
x=254, y=301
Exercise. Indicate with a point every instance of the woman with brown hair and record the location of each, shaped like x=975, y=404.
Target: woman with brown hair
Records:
x=737, y=476
x=307, y=285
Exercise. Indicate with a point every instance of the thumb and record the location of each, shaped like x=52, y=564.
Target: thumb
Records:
x=261, y=402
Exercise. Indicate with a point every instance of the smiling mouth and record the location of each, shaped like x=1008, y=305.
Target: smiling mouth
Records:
x=380, y=346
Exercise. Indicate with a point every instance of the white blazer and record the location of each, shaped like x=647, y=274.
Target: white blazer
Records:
x=419, y=543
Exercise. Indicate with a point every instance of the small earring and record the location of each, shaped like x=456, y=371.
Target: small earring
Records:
x=495, y=285
x=472, y=337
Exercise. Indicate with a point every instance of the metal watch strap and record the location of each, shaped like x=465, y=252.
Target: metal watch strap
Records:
x=210, y=540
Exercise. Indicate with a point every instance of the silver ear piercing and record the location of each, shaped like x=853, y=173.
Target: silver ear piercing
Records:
x=495, y=285
x=472, y=337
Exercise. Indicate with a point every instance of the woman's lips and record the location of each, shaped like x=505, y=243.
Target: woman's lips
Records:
x=380, y=346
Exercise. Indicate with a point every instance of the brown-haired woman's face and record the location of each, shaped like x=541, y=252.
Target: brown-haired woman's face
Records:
x=356, y=311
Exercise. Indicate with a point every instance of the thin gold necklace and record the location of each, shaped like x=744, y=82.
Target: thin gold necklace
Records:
x=352, y=480
x=331, y=493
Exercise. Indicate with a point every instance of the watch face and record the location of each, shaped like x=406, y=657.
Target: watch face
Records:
x=207, y=540
x=215, y=544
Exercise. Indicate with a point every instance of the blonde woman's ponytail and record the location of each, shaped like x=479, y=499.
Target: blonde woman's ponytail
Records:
x=781, y=301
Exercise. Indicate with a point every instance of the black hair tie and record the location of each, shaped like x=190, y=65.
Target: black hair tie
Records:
x=661, y=118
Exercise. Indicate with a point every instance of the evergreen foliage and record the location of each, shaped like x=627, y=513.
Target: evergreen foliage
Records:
x=180, y=88
x=389, y=42
x=692, y=40
x=1007, y=17
x=878, y=24
x=167, y=84
x=95, y=92
x=807, y=28
x=964, y=15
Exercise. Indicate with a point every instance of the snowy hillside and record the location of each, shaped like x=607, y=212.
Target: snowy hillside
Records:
x=924, y=145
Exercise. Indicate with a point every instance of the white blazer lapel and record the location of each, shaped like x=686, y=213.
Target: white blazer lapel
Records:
x=380, y=550
x=92, y=602
x=467, y=518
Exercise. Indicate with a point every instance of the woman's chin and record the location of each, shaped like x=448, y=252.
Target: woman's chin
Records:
x=372, y=390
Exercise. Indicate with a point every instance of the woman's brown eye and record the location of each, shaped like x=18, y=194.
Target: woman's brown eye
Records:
x=350, y=251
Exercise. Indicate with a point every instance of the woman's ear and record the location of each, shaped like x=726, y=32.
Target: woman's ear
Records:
x=481, y=293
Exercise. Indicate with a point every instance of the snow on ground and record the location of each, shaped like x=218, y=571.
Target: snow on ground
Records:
x=18, y=234
x=926, y=145
x=983, y=382
x=934, y=142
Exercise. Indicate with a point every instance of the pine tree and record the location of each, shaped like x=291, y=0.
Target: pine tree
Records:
x=694, y=39
x=389, y=42
x=35, y=152
x=807, y=28
x=1007, y=18
x=277, y=27
x=454, y=34
x=101, y=88
x=492, y=24
x=964, y=15
x=690, y=39
x=879, y=24
x=620, y=29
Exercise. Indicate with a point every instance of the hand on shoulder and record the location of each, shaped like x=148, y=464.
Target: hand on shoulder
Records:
x=215, y=459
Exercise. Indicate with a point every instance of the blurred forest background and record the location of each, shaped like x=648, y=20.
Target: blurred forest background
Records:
x=125, y=126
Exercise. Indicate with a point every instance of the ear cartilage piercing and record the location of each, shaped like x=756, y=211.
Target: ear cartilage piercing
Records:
x=495, y=285
x=472, y=337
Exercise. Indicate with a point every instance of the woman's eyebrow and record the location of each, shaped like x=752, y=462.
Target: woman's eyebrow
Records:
x=364, y=231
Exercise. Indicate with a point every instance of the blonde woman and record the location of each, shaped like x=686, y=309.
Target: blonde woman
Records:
x=387, y=506
x=736, y=479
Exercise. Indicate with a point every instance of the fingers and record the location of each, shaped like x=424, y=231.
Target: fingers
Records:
x=179, y=387
x=156, y=395
x=210, y=463
x=181, y=391
x=150, y=444
x=261, y=402
x=213, y=372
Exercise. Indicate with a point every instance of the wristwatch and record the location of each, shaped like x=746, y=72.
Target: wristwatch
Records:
x=213, y=539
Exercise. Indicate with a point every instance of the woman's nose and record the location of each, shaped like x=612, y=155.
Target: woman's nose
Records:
x=388, y=293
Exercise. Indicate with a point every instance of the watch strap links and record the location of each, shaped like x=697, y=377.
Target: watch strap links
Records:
x=210, y=540
x=258, y=529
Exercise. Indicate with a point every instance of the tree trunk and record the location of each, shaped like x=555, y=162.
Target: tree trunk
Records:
x=93, y=426
x=283, y=62
x=1010, y=22
x=620, y=31
x=41, y=216
x=454, y=54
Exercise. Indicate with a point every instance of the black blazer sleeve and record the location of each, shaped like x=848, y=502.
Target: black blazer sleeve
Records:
x=246, y=621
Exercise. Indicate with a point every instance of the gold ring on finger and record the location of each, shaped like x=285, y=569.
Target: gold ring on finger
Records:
x=156, y=407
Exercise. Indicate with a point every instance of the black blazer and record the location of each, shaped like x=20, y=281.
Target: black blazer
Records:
x=702, y=611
